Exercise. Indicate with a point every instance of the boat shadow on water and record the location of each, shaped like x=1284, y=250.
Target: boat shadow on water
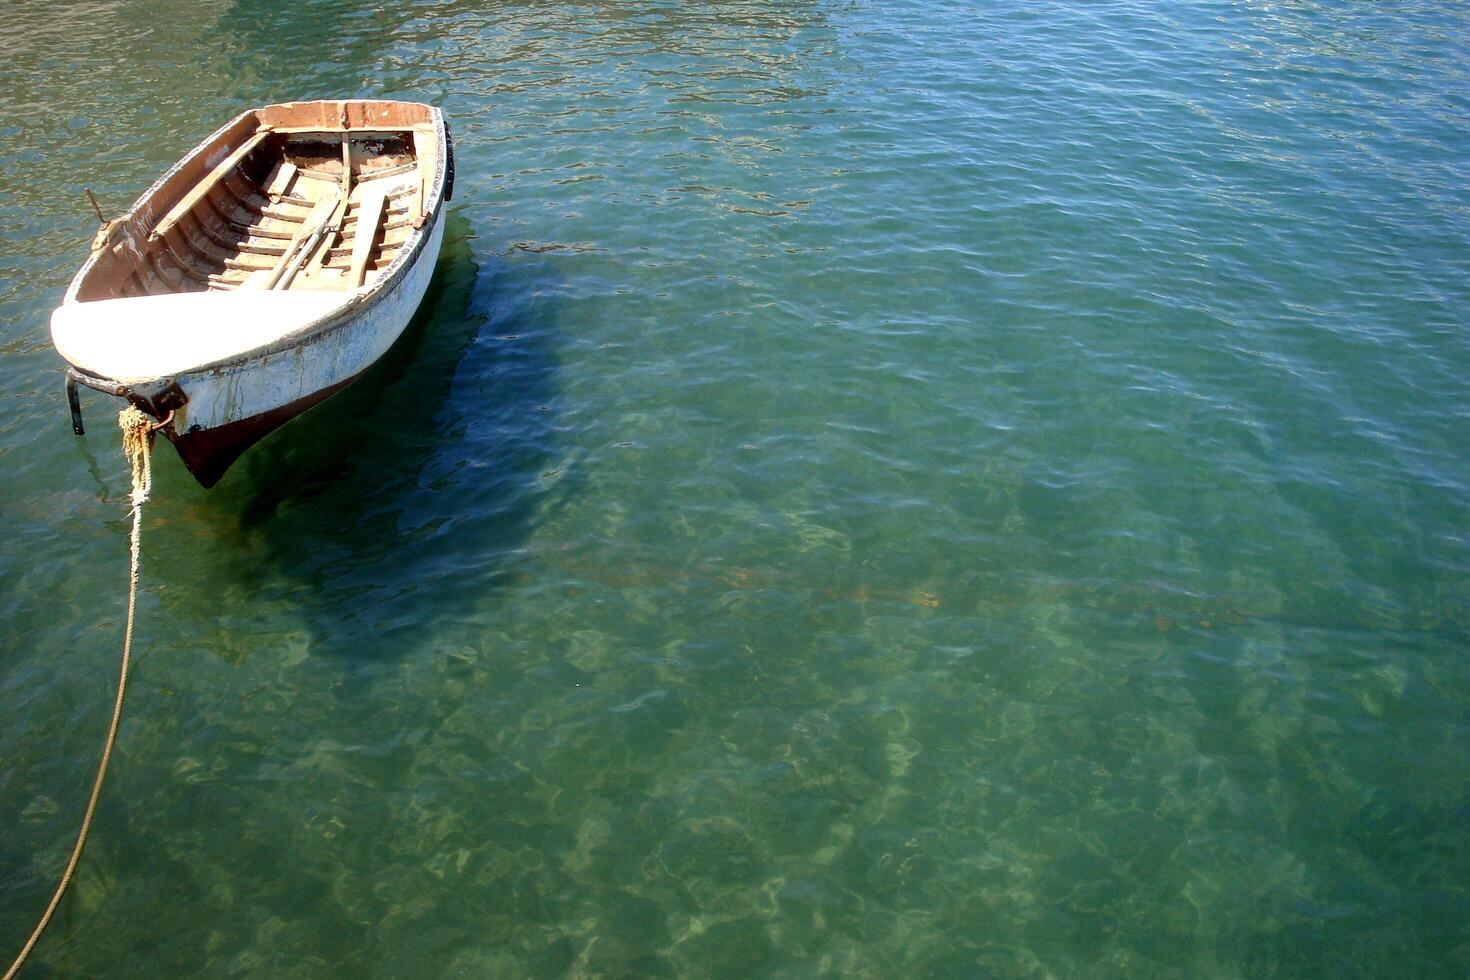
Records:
x=408, y=497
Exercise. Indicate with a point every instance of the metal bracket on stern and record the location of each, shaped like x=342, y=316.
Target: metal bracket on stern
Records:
x=157, y=398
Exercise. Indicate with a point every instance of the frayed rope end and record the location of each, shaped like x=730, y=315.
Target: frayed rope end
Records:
x=138, y=430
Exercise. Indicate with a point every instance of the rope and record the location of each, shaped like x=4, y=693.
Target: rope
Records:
x=138, y=432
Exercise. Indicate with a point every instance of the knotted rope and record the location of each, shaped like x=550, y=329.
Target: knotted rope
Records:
x=137, y=433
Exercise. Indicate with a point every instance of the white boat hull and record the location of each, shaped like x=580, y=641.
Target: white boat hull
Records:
x=168, y=312
x=230, y=408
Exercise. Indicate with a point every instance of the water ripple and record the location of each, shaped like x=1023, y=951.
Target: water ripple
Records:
x=926, y=491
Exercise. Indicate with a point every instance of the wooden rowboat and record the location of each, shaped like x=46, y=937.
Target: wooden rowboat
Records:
x=267, y=270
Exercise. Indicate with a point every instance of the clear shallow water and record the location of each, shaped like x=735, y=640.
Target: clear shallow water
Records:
x=921, y=492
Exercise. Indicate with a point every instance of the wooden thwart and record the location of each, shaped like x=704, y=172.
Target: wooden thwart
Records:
x=356, y=132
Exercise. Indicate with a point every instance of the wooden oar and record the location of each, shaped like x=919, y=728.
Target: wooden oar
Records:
x=301, y=243
x=319, y=251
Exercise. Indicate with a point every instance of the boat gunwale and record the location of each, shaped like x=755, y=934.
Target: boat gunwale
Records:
x=343, y=315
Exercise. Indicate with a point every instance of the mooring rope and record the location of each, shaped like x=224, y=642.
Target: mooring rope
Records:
x=138, y=430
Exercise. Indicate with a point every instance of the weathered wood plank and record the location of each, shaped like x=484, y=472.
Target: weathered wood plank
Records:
x=328, y=135
x=215, y=176
x=425, y=148
x=319, y=216
x=201, y=237
x=280, y=179
x=167, y=272
x=369, y=216
x=251, y=261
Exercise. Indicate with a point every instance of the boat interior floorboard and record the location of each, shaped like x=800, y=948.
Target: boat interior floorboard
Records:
x=248, y=212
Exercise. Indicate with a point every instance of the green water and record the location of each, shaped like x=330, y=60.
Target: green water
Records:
x=892, y=490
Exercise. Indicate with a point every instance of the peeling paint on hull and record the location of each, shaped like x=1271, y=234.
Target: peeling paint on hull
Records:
x=209, y=453
x=232, y=408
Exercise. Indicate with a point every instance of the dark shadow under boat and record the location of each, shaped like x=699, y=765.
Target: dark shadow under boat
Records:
x=428, y=474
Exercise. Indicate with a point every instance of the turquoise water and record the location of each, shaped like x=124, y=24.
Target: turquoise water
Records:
x=875, y=490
